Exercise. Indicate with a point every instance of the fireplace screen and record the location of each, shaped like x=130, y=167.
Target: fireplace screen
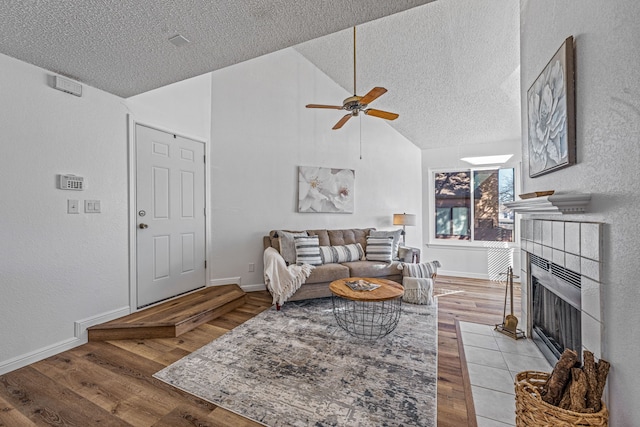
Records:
x=555, y=321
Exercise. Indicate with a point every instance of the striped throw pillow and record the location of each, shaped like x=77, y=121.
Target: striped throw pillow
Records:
x=345, y=253
x=307, y=250
x=380, y=249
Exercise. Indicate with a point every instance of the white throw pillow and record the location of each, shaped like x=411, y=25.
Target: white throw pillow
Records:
x=379, y=249
x=308, y=250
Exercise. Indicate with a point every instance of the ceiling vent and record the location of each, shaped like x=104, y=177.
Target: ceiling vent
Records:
x=179, y=41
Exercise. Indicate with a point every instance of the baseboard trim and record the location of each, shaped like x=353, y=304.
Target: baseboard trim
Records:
x=80, y=332
x=442, y=272
x=226, y=281
x=254, y=288
x=37, y=355
x=80, y=326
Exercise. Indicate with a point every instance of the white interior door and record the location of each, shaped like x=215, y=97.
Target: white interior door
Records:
x=170, y=215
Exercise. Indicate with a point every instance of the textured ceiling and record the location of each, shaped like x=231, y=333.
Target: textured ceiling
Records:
x=451, y=68
x=121, y=46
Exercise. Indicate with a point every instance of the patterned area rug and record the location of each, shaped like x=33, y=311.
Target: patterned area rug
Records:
x=296, y=367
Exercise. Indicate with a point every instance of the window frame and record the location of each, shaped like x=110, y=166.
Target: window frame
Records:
x=454, y=243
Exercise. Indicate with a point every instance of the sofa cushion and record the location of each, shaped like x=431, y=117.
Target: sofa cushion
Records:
x=348, y=236
x=323, y=236
x=344, y=253
x=274, y=238
x=379, y=249
x=327, y=273
x=372, y=268
x=395, y=235
x=307, y=250
x=288, y=245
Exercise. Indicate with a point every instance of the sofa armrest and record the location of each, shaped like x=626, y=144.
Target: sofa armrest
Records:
x=409, y=254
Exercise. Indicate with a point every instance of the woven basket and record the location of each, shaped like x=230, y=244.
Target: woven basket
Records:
x=531, y=410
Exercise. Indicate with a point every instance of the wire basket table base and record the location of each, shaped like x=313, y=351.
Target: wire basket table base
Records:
x=367, y=320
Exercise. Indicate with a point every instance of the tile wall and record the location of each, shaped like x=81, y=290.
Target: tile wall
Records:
x=576, y=246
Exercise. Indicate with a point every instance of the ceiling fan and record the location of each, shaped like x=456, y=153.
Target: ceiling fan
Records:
x=356, y=104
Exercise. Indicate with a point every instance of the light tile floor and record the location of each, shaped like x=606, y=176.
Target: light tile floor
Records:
x=493, y=361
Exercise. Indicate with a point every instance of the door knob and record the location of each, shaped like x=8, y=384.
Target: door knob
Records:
x=143, y=226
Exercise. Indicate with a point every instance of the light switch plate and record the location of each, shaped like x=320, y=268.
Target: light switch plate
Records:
x=92, y=206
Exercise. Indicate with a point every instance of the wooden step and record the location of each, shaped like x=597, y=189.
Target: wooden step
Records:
x=172, y=318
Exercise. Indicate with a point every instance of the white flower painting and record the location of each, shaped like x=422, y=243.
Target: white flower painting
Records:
x=551, y=115
x=325, y=189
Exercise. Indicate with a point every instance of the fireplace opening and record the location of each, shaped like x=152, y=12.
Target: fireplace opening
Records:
x=555, y=308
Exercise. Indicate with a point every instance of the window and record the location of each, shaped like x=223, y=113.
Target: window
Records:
x=469, y=205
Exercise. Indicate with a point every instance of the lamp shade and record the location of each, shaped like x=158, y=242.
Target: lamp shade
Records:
x=404, y=219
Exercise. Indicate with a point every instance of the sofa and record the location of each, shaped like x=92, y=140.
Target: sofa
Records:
x=317, y=284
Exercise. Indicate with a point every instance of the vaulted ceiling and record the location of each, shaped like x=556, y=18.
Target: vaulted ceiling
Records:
x=451, y=66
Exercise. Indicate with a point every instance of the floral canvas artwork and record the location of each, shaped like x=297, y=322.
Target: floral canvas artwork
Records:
x=551, y=112
x=325, y=189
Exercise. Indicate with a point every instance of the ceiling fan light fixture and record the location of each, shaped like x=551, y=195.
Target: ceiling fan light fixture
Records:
x=356, y=104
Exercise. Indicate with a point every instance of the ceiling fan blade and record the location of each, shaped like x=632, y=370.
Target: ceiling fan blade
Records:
x=382, y=114
x=342, y=121
x=372, y=95
x=332, y=107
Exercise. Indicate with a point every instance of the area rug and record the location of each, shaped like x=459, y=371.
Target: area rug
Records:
x=297, y=367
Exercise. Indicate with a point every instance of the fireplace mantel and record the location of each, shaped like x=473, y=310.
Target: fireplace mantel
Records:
x=554, y=204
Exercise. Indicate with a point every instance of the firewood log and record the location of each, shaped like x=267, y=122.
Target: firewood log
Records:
x=578, y=389
x=554, y=387
x=591, y=372
x=565, y=402
x=603, y=370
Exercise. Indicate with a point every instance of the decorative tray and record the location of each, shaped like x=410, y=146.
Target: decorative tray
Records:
x=536, y=194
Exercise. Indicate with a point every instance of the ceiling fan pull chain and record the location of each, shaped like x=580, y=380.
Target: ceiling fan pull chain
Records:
x=360, y=137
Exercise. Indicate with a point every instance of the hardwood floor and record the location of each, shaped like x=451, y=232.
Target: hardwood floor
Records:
x=110, y=383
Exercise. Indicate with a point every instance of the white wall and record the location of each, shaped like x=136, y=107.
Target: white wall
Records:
x=183, y=107
x=58, y=268
x=61, y=271
x=261, y=133
x=474, y=260
x=607, y=38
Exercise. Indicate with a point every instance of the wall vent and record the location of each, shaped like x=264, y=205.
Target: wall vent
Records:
x=556, y=270
x=67, y=86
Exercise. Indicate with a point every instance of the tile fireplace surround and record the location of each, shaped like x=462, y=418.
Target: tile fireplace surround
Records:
x=576, y=246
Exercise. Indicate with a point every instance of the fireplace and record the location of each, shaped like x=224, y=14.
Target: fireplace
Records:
x=561, y=279
x=555, y=306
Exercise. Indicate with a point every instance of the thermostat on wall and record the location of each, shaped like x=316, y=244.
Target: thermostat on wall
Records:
x=71, y=182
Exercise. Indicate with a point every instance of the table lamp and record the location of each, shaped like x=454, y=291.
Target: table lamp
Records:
x=404, y=219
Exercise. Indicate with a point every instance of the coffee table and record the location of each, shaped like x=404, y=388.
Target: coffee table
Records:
x=367, y=314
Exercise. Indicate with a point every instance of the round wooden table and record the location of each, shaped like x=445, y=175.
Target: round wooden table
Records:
x=367, y=314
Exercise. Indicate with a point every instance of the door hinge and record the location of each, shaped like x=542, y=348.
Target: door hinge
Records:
x=204, y=158
x=205, y=264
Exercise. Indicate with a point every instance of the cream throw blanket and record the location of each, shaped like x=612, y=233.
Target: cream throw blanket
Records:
x=283, y=281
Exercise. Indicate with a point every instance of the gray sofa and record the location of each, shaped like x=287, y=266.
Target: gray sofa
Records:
x=317, y=284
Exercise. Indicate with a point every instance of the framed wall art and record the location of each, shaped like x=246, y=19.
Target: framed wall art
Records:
x=325, y=189
x=551, y=114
